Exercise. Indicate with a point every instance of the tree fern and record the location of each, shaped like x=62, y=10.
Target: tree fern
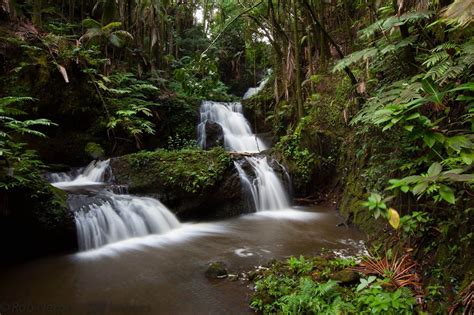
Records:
x=385, y=25
x=449, y=61
x=356, y=57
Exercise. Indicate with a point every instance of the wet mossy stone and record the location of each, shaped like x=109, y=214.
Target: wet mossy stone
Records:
x=194, y=184
x=35, y=221
x=346, y=276
x=214, y=135
x=216, y=270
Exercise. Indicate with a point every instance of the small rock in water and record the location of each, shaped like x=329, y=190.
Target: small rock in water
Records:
x=216, y=270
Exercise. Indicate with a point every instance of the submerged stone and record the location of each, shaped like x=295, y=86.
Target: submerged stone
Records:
x=216, y=270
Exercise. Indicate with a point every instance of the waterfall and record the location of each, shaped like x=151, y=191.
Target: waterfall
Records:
x=255, y=90
x=262, y=182
x=92, y=174
x=105, y=217
x=265, y=187
x=121, y=217
x=238, y=135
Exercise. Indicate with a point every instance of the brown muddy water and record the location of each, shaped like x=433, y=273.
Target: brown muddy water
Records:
x=164, y=274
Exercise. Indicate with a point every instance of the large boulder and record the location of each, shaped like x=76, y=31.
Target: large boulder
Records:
x=214, y=135
x=194, y=184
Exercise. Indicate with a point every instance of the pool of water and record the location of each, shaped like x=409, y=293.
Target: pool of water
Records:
x=164, y=274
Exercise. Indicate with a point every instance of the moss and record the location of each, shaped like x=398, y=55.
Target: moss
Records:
x=190, y=170
x=216, y=270
x=37, y=220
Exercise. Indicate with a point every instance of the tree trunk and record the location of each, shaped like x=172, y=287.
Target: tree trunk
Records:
x=37, y=7
x=297, y=50
x=331, y=41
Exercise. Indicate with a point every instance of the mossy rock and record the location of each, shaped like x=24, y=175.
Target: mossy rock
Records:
x=194, y=184
x=35, y=221
x=216, y=270
x=345, y=276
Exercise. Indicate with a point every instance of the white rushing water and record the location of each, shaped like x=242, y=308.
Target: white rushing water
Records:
x=261, y=181
x=105, y=217
x=255, y=90
x=121, y=217
x=92, y=174
x=265, y=186
x=238, y=135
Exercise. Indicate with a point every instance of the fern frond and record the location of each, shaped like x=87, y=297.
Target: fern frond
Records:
x=355, y=57
x=5, y=101
x=436, y=57
x=387, y=24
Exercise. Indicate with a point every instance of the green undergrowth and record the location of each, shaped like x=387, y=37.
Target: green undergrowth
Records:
x=310, y=149
x=322, y=285
x=191, y=170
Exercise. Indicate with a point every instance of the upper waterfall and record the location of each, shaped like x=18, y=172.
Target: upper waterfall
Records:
x=255, y=90
x=238, y=135
x=267, y=190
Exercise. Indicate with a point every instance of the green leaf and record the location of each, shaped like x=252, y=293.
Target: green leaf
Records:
x=447, y=194
x=405, y=188
x=429, y=140
x=435, y=169
x=91, y=23
x=435, y=95
x=115, y=40
x=420, y=188
x=458, y=142
x=467, y=158
x=413, y=116
x=111, y=26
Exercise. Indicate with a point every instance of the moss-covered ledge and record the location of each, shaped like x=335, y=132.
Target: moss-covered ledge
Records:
x=34, y=220
x=194, y=184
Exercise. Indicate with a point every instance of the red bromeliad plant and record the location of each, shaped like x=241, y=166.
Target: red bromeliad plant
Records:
x=400, y=272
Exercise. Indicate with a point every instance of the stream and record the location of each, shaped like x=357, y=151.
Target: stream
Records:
x=164, y=274
x=136, y=257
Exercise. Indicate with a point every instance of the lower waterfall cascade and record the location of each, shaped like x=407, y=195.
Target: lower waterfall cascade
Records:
x=108, y=217
x=121, y=217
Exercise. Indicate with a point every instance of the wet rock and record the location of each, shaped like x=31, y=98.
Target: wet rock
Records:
x=34, y=221
x=195, y=185
x=214, y=135
x=345, y=276
x=216, y=270
x=251, y=275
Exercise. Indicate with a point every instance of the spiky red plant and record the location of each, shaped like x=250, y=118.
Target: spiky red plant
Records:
x=401, y=271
